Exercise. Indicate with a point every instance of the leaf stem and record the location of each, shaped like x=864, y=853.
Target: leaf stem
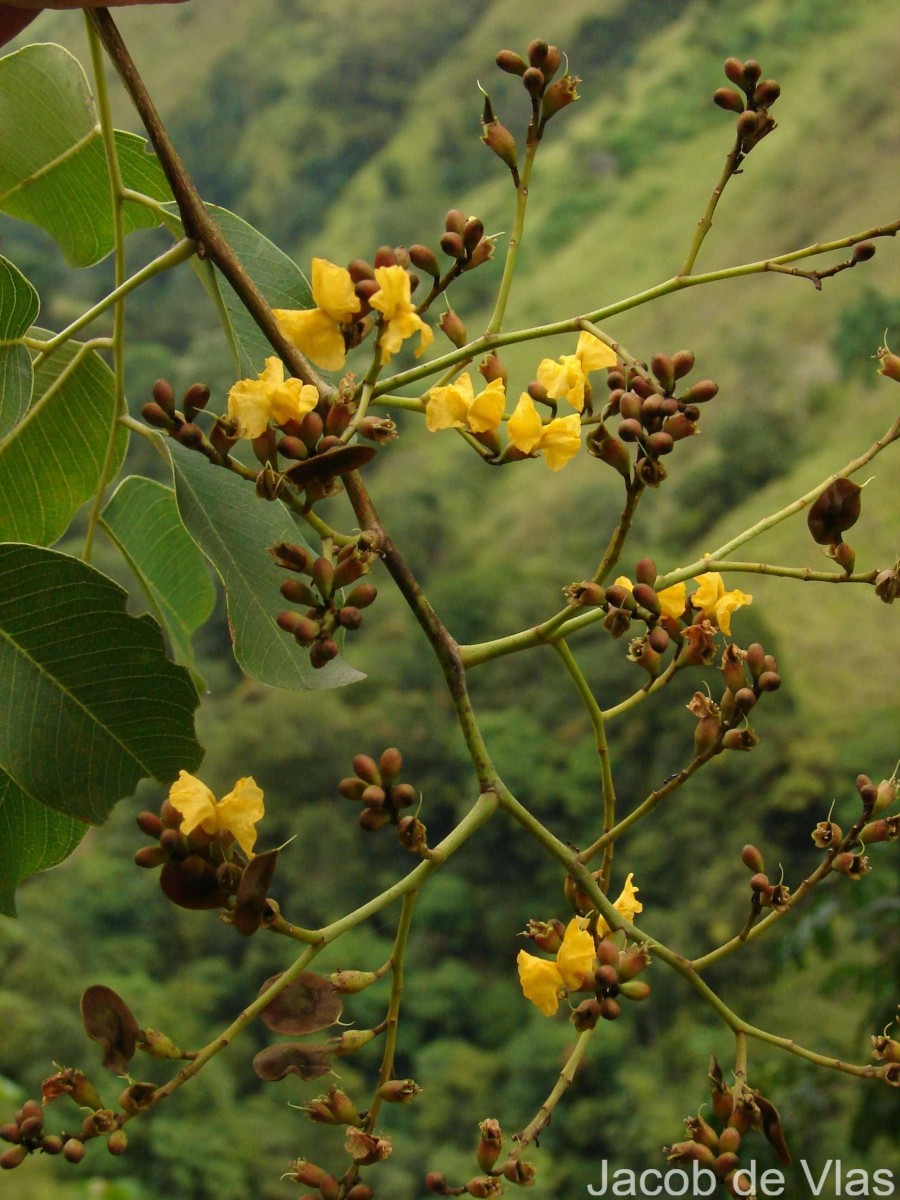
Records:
x=515, y=242
x=198, y=224
x=606, y=778
x=398, y=954
x=116, y=187
x=178, y=253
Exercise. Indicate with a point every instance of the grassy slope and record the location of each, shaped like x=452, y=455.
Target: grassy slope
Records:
x=830, y=169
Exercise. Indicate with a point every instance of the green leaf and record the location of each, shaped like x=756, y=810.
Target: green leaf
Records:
x=19, y=306
x=32, y=838
x=142, y=518
x=53, y=169
x=90, y=703
x=52, y=461
x=277, y=276
x=234, y=528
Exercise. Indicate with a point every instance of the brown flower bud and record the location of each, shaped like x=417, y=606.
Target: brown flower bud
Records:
x=735, y=72
x=453, y=245
x=490, y=1144
x=701, y=392
x=751, y=857
x=164, y=395
x=512, y=63
x=196, y=398
x=362, y=595
x=533, y=81
x=728, y=99
x=890, y=364
x=12, y=1158
x=321, y=653
x=156, y=416
x=559, y=95
x=434, y=1180
x=885, y=829
x=766, y=93
x=499, y=139
x=452, y=326
x=73, y=1150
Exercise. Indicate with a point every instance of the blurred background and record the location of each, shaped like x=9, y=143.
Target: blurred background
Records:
x=335, y=129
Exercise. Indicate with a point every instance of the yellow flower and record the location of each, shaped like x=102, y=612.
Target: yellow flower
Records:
x=457, y=407
x=317, y=331
x=671, y=599
x=566, y=378
x=252, y=403
x=236, y=813
x=715, y=603
x=545, y=982
x=401, y=321
x=559, y=439
x=627, y=906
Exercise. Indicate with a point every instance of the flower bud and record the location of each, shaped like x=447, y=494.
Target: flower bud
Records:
x=827, y=834
x=453, y=245
x=751, y=857
x=13, y=1157
x=635, y=989
x=631, y=962
x=156, y=416
x=321, y=653
x=164, y=395
x=728, y=99
x=490, y=1144
x=399, y=1091
x=701, y=392
x=885, y=795
x=195, y=400
x=559, y=95
x=436, y=1182
x=73, y=1150
x=452, y=326
x=360, y=1191
x=612, y=451
x=117, y=1142
x=150, y=857
x=610, y=1009
x=512, y=63
x=373, y=819
x=889, y=364
x=854, y=866
x=359, y=269
x=366, y=768
x=499, y=139
x=735, y=72
x=533, y=81
x=766, y=93
x=362, y=595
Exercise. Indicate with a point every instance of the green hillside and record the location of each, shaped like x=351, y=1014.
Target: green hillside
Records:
x=335, y=129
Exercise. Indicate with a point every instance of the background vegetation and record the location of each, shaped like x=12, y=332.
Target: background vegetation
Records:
x=337, y=128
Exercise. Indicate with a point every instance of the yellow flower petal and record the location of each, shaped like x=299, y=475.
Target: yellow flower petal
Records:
x=709, y=590
x=541, y=981
x=393, y=293
x=195, y=802
x=524, y=426
x=238, y=812
x=249, y=408
x=627, y=905
x=564, y=380
x=726, y=605
x=593, y=354
x=715, y=603
x=292, y=400
x=561, y=440
x=394, y=300
x=333, y=290
x=487, y=409
x=315, y=334
x=575, y=957
x=673, y=600
x=448, y=407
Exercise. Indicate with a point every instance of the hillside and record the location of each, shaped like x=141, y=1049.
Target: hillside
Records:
x=336, y=128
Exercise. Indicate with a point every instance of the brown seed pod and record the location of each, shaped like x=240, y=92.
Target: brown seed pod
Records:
x=836, y=509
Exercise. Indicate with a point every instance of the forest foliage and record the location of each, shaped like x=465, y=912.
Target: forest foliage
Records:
x=337, y=129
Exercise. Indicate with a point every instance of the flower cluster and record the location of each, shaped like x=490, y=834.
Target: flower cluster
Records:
x=545, y=983
x=455, y=405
